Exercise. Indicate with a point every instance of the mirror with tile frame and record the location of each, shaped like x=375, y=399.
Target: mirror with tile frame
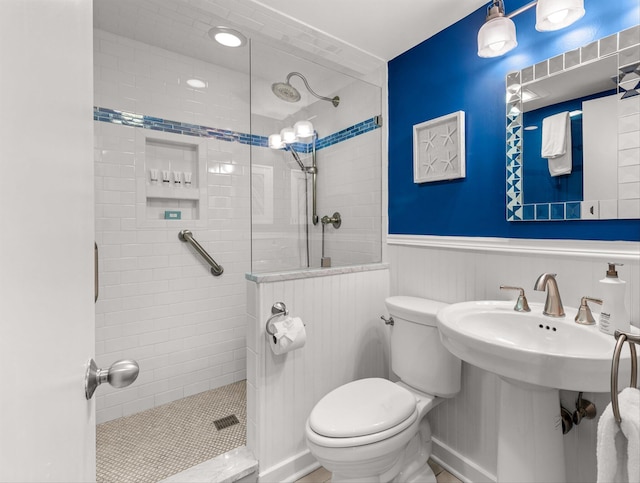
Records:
x=599, y=86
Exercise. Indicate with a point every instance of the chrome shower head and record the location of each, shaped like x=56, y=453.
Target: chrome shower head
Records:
x=286, y=92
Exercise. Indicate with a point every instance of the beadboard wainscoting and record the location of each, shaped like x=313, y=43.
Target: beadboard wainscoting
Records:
x=346, y=340
x=456, y=269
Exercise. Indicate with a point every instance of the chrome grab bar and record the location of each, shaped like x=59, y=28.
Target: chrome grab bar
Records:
x=615, y=363
x=187, y=236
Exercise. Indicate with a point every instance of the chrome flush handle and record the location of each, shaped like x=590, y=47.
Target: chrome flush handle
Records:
x=388, y=321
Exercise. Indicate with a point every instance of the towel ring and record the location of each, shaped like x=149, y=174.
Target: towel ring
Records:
x=278, y=309
x=632, y=339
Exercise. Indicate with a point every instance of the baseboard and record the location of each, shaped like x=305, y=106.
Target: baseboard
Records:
x=290, y=470
x=458, y=465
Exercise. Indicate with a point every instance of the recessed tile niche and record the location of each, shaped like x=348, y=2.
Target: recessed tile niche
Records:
x=171, y=180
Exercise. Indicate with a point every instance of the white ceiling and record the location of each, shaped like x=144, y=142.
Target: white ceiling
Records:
x=383, y=28
x=358, y=35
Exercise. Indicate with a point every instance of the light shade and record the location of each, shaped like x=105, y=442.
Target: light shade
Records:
x=557, y=14
x=303, y=129
x=496, y=37
x=288, y=135
x=275, y=141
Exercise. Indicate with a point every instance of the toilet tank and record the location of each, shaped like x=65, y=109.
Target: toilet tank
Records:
x=418, y=357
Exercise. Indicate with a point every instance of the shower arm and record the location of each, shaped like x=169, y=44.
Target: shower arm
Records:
x=335, y=100
x=296, y=156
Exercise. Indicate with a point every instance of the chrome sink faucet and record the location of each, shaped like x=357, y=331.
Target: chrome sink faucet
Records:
x=553, y=305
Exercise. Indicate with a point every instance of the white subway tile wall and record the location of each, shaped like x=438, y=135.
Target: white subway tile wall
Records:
x=349, y=161
x=158, y=303
x=351, y=185
x=467, y=424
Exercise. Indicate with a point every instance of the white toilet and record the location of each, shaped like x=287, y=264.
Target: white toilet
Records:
x=374, y=430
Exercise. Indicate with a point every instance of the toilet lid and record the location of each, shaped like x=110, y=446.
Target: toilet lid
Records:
x=362, y=407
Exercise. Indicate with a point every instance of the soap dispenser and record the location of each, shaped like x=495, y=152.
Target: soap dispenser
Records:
x=614, y=315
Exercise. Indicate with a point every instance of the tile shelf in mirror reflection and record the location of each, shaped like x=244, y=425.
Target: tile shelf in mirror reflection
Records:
x=600, y=190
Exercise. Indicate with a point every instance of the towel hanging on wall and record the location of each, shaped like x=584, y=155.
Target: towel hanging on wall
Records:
x=556, y=143
x=618, y=446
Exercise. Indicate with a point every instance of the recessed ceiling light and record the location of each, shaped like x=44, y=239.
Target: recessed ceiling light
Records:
x=197, y=83
x=227, y=36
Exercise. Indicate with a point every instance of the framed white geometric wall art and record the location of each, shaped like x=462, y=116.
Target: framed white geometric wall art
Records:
x=438, y=149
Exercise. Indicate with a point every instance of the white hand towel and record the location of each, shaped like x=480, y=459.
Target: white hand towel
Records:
x=556, y=143
x=618, y=446
x=629, y=400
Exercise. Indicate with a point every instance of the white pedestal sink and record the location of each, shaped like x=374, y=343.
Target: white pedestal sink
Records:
x=535, y=356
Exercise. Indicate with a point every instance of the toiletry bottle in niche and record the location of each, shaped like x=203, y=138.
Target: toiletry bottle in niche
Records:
x=614, y=315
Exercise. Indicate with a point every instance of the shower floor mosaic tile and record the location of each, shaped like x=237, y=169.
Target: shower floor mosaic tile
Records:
x=149, y=446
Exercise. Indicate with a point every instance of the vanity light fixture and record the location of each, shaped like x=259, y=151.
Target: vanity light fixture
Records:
x=227, y=36
x=301, y=130
x=497, y=36
x=556, y=15
x=275, y=141
x=288, y=135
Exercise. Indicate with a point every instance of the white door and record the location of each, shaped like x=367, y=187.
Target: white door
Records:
x=47, y=427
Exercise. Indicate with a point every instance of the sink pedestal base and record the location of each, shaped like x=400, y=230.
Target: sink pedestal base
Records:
x=530, y=447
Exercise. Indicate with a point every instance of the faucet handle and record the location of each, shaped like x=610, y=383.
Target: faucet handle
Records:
x=584, y=315
x=521, y=304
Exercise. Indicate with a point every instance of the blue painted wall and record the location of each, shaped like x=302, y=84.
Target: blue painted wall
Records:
x=443, y=75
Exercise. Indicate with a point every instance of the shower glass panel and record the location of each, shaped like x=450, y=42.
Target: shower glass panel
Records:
x=158, y=300
x=345, y=156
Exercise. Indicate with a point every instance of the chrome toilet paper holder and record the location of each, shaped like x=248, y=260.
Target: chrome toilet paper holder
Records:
x=279, y=309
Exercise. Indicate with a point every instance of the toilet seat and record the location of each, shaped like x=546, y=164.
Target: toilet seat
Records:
x=361, y=412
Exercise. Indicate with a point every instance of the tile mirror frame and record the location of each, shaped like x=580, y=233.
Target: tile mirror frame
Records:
x=626, y=46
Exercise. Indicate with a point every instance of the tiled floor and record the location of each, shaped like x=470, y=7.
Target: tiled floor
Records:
x=160, y=442
x=321, y=475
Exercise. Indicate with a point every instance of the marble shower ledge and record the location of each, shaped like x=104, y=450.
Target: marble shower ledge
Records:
x=312, y=272
x=226, y=468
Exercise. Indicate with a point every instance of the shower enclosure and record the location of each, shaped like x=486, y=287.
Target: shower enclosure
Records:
x=248, y=205
x=318, y=196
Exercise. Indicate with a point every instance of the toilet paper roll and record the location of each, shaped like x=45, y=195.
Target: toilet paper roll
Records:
x=289, y=335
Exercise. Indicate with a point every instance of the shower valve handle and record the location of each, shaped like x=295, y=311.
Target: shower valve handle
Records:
x=335, y=220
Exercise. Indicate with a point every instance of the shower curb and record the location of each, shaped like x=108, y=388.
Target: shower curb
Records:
x=234, y=466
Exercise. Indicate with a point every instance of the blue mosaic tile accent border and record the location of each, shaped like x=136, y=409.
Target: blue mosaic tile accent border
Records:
x=348, y=133
x=569, y=210
x=124, y=118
